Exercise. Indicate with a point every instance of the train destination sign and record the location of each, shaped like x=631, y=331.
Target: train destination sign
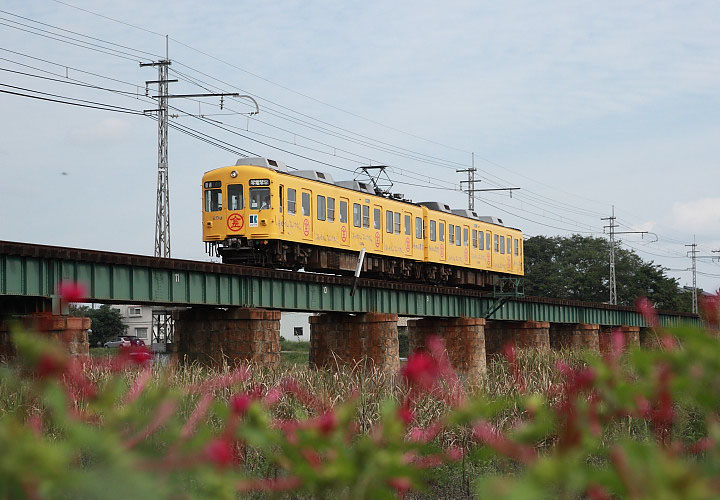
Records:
x=259, y=182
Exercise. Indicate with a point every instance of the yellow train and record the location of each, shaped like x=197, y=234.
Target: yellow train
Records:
x=258, y=212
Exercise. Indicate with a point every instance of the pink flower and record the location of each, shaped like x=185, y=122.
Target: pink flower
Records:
x=71, y=291
x=219, y=452
x=327, y=422
x=405, y=414
x=401, y=485
x=50, y=366
x=421, y=370
x=240, y=404
x=647, y=309
x=137, y=354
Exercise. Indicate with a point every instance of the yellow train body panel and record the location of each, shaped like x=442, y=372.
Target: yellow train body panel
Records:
x=260, y=203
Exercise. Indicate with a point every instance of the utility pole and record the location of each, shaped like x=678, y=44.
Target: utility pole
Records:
x=162, y=204
x=693, y=257
x=471, y=185
x=612, y=226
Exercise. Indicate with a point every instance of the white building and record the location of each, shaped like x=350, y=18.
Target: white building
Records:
x=138, y=320
x=295, y=326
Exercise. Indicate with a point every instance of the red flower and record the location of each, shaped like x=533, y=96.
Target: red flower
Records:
x=240, y=404
x=71, y=291
x=137, y=354
x=50, y=366
x=647, y=309
x=421, y=370
x=405, y=414
x=401, y=485
x=327, y=422
x=219, y=452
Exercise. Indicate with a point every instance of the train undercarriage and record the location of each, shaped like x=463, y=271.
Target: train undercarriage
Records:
x=280, y=254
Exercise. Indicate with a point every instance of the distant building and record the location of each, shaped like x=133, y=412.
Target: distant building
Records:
x=138, y=320
x=295, y=326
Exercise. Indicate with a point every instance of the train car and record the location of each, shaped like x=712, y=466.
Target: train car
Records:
x=258, y=212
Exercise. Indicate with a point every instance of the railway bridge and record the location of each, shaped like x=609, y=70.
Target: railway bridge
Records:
x=233, y=311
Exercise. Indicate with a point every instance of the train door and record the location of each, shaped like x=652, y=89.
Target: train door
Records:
x=377, y=228
x=408, y=243
x=307, y=218
x=344, y=225
x=466, y=244
x=281, y=210
x=442, y=236
x=489, y=249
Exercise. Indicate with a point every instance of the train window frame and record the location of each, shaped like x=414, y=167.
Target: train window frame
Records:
x=433, y=230
x=321, y=207
x=366, y=216
x=292, y=201
x=481, y=240
x=343, y=211
x=260, y=198
x=397, y=224
x=330, y=209
x=357, y=215
x=441, y=231
x=213, y=203
x=418, y=228
x=230, y=194
x=306, y=204
x=502, y=244
x=496, y=241
x=377, y=218
x=517, y=246
x=466, y=237
x=388, y=221
x=451, y=234
x=458, y=236
x=408, y=225
x=282, y=200
x=509, y=245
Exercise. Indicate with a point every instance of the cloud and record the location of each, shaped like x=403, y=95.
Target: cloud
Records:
x=108, y=130
x=701, y=215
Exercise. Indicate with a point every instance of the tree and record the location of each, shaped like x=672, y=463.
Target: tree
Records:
x=577, y=267
x=106, y=322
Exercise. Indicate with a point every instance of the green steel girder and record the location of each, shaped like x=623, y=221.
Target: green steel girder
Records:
x=184, y=283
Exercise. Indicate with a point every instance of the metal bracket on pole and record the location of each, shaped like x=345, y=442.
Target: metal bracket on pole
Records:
x=361, y=259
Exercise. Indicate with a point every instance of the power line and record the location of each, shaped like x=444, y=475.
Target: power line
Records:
x=102, y=106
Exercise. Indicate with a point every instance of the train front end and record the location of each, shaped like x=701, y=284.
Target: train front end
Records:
x=240, y=212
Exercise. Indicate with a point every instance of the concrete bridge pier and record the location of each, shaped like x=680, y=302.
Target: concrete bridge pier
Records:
x=70, y=331
x=524, y=334
x=367, y=340
x=464, y=341
x=575, y=336
x=213, y=337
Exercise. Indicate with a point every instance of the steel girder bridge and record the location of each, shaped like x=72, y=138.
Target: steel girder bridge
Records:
x=30, y=275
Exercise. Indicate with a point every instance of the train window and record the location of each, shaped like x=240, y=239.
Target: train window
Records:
x=488, y=241
x=509, y=245
x=291, y=201
x=441, y=232
x=357, y=216
x=481, y=240
x=502, y=244
x=321, y=207
x=418, y=228
x=433, y=230
x=475, y=238
x=259, y=198
x=235, y=197
x=466, y=241
x=457, y=236
x=366, y=216
x=331, y=209
x=397, y=222
x=451, y=234
x=343, y=212
x=213, y=200
x=497, y=248
x=306, y=210
x=389, y=221
x=377, y=218
x=281, y=198
x=408, y=225
x=517, y=246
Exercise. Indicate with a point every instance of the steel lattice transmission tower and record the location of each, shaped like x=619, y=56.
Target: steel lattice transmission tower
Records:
x=613, y=283
x=162, y=207
x=693, y=256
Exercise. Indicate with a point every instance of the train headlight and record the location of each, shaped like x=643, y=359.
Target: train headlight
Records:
x=233, y=174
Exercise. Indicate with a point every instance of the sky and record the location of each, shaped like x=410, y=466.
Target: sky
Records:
x=582, y=105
